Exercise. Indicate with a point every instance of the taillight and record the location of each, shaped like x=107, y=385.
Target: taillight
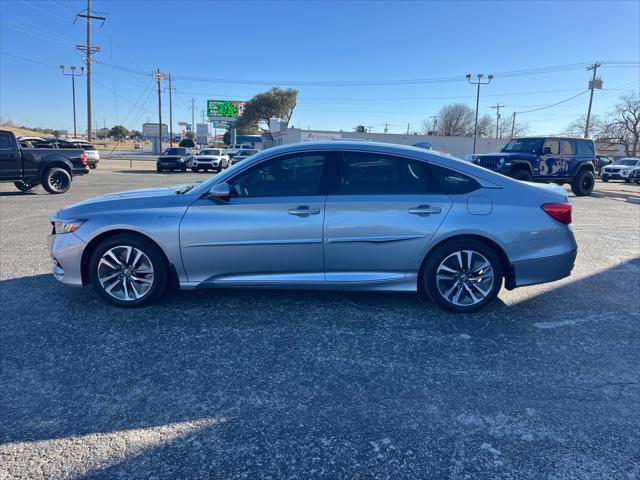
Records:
x=559, y=211
x=83, y=158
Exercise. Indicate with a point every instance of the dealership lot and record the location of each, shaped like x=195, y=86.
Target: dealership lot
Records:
x=282, y=384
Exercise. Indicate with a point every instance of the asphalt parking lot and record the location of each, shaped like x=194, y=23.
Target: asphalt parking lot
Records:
x=230, y=384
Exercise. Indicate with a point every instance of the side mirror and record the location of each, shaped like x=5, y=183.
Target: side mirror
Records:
x=221, y=191
x=546, y=151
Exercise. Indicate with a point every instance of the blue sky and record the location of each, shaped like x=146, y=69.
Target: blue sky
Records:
x=317, y=41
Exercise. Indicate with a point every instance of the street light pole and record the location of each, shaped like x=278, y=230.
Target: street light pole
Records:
x=478, y=82
x=72, y=73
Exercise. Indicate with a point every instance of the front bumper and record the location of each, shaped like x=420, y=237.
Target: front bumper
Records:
x=66, y=258
x=542, y=270
x=616, y=175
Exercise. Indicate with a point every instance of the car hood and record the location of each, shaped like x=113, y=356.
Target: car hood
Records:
x=623, y=167
x=507, y=155
x=207, y=157
x=143, y=198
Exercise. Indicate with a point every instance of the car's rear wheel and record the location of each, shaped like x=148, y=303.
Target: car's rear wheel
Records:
x=128, y=271
x=605, y=179
x=183, y=168
x=195, y=169
x=56, y=180
x=522, y=175
x=24, y=186
x=583, y=184
x=92, y=166
x=462, y=275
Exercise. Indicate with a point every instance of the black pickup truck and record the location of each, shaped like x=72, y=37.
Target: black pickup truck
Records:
x=28, y=167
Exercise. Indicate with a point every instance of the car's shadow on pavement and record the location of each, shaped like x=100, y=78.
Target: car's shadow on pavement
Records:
x=257, y=383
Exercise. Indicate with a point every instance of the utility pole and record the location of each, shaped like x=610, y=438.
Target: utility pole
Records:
x=513, y=124
x=72, y=73
x=435, y=122
x=408, y=126
x=170, y=114
x=386, y=128
x=88, y=49
x=478, y=82
x=497, y=107
x=193, y=117
x=158, y=76
x=593, y=84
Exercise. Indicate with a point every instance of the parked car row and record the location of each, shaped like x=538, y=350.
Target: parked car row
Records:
x=214, y=159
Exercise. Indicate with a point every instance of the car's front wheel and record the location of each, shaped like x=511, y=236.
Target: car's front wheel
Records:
x=462, y=275
x=522, y=175
x=128, y=271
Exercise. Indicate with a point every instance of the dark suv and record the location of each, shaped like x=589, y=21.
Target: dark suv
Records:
x=546, y=159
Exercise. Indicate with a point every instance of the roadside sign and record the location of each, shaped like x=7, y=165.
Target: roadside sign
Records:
x=224, y=110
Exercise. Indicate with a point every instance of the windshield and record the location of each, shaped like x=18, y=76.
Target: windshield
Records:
x=210, y=151
x=528, y=145
x=175, y=151
x=627, y=162
x=247, y=153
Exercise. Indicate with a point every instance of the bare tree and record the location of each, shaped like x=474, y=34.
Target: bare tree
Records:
x=623, y=125
x=576, y=128
x=504, y=128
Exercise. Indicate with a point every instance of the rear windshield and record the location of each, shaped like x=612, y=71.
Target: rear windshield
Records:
x=528, y=145
x=210, y=151
x=175, y=151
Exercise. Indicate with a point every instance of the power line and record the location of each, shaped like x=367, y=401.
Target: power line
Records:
x=457, y=78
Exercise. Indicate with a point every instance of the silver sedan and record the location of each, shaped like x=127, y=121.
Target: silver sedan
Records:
x=323, y=215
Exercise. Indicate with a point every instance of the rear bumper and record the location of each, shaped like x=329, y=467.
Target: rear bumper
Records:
x=542, y=270
x=77, y=171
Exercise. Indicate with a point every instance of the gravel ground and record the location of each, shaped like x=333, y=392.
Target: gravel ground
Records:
x=292, y=384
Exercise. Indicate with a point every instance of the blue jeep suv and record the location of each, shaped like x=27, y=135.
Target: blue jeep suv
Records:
x=546, y=159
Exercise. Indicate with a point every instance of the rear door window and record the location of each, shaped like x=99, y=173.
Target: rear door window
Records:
x=567, y=147
x=370, y=173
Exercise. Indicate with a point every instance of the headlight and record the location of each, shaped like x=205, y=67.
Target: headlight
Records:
x=67, y=226
x=501, y=162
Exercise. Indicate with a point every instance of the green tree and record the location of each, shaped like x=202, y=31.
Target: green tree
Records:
x=119, y=132
x=135, y=134
x=56, y=133
x=276, y=103
x=187, y=142
x=190, y=135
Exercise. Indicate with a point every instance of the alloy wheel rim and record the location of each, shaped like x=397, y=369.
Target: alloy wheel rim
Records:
x=59, y=181
x=465, y=278
x=125, y=273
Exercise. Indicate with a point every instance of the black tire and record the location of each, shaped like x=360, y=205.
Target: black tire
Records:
x=159, y=170
x=628, y=180
x=522, y=175
x=605, y=179
x=92, y=166
x=150, y=250
x=195, y=169
x=183, y=168
x=445, y=253
x=24, y=186
x=56, y=180
x=583, y=183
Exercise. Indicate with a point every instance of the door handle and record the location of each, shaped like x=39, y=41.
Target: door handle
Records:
x=304, y=211
x=425, y=210
x=13, y=155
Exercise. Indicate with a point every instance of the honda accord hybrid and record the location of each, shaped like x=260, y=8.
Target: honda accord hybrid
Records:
x=340, y=215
